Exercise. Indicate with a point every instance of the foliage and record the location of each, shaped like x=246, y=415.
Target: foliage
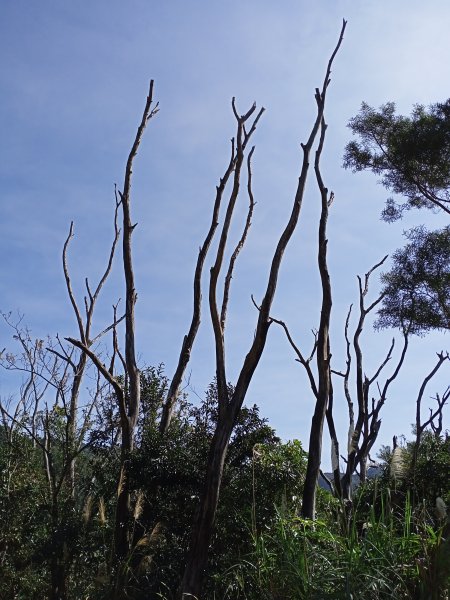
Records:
x=422, y=482
x=373, y=556
x=169, y=471
x=388, y=545
x=417, y=288
x=23, y=525
x=410, y=153
x=432, y=471
x=32, y=534
x=428, y=478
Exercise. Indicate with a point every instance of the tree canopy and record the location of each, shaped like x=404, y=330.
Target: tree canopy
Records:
x=412, y=154
x=417, y=288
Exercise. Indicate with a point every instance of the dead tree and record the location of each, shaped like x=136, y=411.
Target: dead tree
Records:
x=234, y=165
x=365, y=425
x=320, y=386
x=322, y=351
x=127, y=393
x=63, y=370
x=434, y=414
x=78, y=366
x=438, y=414
x=47, y=413
x=229, y=406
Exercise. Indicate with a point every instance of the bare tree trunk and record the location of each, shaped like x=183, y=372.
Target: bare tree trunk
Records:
x=84, y=329
x=58, y=590
x=128, y=394
x=58, y=576
x=204, y=523
x=367, y=424
x=322, y=350
x=57, y=560
x=189, y=338
x=196, y=563
x=421, y=426
x=334, y=445
x=130, y=399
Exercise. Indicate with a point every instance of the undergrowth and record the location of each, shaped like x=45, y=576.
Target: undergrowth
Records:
x=392, y=551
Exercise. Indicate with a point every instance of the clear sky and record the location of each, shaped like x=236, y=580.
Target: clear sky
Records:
x=74, y=79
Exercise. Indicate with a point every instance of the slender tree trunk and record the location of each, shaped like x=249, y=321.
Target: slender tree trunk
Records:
x=322, y=351
x=204, y=521
x=363, y=469
x=314, y=458
x=58, y=573
x=122, y=529
x=58, y=576
x=334, y=445
x=122, y=519
x=196, y=563
x=129, y=398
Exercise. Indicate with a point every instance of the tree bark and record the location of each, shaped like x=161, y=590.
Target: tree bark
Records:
x=189, y=338
x=129, y=400
x=128, y=394
x=322, y=351
x=196, y=563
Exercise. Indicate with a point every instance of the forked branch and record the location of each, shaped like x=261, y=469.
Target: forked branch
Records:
x=240, y=244
x=238, y=145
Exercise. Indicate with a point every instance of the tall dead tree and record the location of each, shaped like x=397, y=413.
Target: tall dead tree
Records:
x=434, y=414
x=235, y=164
x=47, y=413
x=63, y=371
x=127, y=393
x=322, y=350
x=320, y=385
x=364, y=419
x=78, y=365
x=365, y=425
x=229, y=406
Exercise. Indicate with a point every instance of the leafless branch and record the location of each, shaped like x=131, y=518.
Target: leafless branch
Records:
x=107, y=329
x=300, y=358
x=420, y=427
x=98, y=364
x=240, y=244
x=222, y=387
x=384, y=363
x=69, y=286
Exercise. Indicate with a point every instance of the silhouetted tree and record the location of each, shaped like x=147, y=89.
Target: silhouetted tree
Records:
x=412, y=154
x=417, y=288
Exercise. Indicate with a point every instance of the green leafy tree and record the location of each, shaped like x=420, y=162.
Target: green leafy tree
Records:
x=260, y=473
x=23, y=518
x=412, y=154
x=417, y=288
x=430, y=475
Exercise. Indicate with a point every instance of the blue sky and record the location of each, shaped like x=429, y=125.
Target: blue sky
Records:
x=74, y=79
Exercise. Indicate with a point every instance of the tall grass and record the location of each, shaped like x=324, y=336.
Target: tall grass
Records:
x=392, y=552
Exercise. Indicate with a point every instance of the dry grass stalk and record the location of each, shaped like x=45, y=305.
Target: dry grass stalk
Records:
x=156, y=533
x=101, y=511
x=145, y=565
x=121, y=484
x=139, y=506
x=151, y=539
x=143, y=541
x=398, y=466
x=87, y=510
x=441, y=509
